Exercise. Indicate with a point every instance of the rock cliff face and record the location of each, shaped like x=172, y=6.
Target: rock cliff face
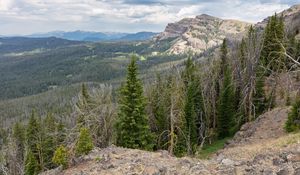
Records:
x=204, y=32
x=200, y=33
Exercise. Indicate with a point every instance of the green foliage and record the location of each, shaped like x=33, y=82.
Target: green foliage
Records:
x=48, y=143
x=19, y=138
x=242, y=53
x=259, y=98
x=191, y=111
x=272, y=52
x=293, y=122
x=226, y=102
x=32, y=134
x=31, y=164
x=210, y=149
x=60, y=157
x=133, y=129
x=226, y=107
x=85, y=143
x=69, y=63
x=224, y=59
x=159, y=101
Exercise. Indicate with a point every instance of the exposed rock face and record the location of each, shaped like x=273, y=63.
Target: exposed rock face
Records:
x=200, y=33
x=203, y=32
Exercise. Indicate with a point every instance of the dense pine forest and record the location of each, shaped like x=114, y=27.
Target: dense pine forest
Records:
x=183, y=110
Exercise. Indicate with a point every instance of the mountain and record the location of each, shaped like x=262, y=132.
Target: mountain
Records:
x=291, y=19
x=138, y=36
x=23, y=44
x=96, y=36
x=200, y=33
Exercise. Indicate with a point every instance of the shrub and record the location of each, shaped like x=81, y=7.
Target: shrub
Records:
x=60, y=157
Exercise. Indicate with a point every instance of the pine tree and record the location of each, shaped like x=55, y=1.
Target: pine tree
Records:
x=226, y=100
x=293, y=122
x=31, y=164
x=60, y=133
x=242, y=53
x=259, y=98
x=133, y=129
x=226, y=111
x=60, y=157
x=19, y=137
x=190, y=112
x=190, y=117
x=224, y=59
x=32, y=134
x=272, y=52
x=48, y=143
x=85, y=143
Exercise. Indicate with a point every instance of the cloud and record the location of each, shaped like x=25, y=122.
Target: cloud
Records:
x=123, y=15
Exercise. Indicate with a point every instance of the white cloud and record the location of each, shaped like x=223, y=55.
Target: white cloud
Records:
x=123, y=15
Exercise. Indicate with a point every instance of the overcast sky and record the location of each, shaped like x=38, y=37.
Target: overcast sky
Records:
x=31, y=16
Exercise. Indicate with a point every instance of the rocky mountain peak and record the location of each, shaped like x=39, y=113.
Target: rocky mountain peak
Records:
x=206, y=17
x=200, y=33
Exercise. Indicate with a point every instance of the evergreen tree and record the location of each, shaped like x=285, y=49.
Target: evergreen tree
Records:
x=84, y=144
x=133, y=129
x=226, y=100
x=60, y=157
x=226, y=111
x=60, y=133
x=242, y=53
x=224, y=59
x=190, y=107
x=19, y=137
x=259, y=98
x=190, y=117
x=32, y=134
x=293, y=122
x=272, y=52
x=48, y=142
x=31, y=164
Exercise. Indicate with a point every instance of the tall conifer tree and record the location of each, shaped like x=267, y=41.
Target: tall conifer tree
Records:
x=133, y=129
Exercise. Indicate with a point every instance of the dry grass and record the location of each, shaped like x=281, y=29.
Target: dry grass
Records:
x=249, y=151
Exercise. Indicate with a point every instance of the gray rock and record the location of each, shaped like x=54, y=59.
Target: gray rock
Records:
x=228, y=162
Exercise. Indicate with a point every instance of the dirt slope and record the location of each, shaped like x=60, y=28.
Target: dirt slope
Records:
x=261, y=147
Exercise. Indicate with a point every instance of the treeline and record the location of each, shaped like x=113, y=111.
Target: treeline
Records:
x=181, y=111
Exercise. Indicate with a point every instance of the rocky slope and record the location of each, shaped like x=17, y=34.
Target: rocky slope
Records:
x=204, y=32
x=291, y=19
x=200, y=33
x=261, y=147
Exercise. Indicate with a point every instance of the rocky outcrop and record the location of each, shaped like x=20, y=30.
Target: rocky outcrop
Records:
x=204, y=32
x=200, y=33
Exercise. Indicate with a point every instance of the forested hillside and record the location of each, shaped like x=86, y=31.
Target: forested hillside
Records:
x=31, y=66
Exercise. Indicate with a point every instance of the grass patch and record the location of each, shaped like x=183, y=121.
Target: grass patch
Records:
x=210, y=149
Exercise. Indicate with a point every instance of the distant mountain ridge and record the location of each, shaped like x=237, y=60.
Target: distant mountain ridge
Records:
x=79, y=35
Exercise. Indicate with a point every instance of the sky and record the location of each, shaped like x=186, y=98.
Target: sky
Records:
x=20, y=17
